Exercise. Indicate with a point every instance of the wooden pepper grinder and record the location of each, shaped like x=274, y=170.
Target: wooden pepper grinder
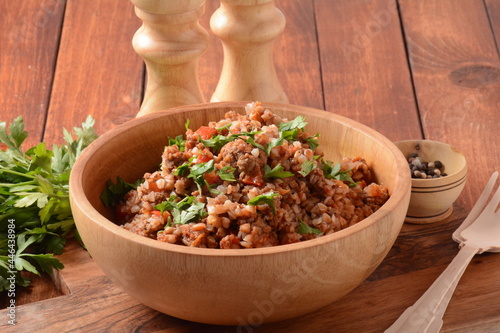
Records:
x=170, y=41
x=247, y=29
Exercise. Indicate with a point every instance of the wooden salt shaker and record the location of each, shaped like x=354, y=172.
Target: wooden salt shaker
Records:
x=247, y=29
x=170, y=41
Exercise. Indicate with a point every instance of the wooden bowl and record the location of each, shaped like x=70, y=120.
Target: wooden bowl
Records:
x=234, y=287
x=432, y=199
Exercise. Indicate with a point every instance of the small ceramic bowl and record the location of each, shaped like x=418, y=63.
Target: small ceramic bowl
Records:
x=432, y=199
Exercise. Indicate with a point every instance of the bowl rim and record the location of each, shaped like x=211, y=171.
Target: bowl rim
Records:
x=76, y=189
x=458, y=176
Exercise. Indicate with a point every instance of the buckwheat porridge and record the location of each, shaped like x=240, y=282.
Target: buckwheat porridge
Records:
x=249, y=181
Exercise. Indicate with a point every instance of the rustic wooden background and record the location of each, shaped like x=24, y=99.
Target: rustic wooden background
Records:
x=410, y=69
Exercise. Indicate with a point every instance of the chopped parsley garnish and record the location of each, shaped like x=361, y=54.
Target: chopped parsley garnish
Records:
x=198, y=171
x=219, y=141
x=274, y=143
x=307, y=167
x=114, y=192
x=227, y=173
x=185, y=211
x=178, y=141
x=306, y=229
x=277, y=172
x=251, y=141
x=312, y=141
x=183, y=169
x=297, y=123
x=264, y=199
x=289, y=135
x=220, y=129
x=334, y=172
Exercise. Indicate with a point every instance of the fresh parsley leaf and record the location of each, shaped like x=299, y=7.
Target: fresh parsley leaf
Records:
x=178, y=141
x=183, y=169
x=227, y=173
x=297, y=123
x=307, y=167
x=114, y=192
x=41, y=157
x=185, y=211
x=274, y=143
x=251, y=141
x=186, y=125
x=313, y=142
x=219, y=129
x=334, y=172
x=306, y=229
x=289, y=135
x=194, y=213
x=264, y=199
x=16, y=137
x=167, y=205
x=34, y=193
x=277, y=172
x=218, y=141
x=198, y=171
x=46, y=262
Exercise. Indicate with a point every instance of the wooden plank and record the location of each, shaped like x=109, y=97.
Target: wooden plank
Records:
x=296, y=55
x=493, y=7
x=98, y=71
x=372, y=307
x=456, y=71
x=364, y=67
x=29, y=37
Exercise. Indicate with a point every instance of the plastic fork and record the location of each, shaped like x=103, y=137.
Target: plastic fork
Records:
x=478, y=233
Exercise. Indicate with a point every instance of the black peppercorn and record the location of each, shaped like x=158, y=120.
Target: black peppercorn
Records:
x=423, y=169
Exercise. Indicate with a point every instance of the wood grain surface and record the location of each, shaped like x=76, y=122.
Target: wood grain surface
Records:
x=410, y=69
x=29, y=47
x=456, y=73
x=98, y=73
x=357, y=42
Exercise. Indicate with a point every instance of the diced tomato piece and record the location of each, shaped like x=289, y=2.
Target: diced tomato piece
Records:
x=205, y=132
x=212, y=178
x=3, y=146
x=256, y=180
x=120, y=215
x=156, y=213
x=202, y=157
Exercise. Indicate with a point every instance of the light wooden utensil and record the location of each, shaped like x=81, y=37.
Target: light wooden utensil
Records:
x=234, y=287
x=480, y=232
x=247, y=30
x=170, y=41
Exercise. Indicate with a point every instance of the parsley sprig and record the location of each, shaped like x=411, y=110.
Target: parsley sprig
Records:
x=334, y=171
x=34, y=197
x=264, y=199
x=306, y=229
x=185, y=211
x=114, y=192
x=218, y=141
x=277, y=172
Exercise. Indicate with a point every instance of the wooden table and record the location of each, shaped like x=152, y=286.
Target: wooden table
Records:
x=407, y=68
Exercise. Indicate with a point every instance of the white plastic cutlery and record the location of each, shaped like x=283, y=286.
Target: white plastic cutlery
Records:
x=478, y=233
